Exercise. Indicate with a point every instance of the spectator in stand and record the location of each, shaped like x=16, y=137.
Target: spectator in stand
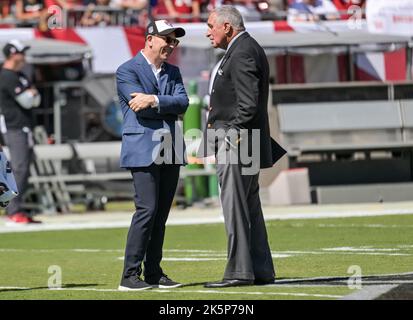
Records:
x=251, y=10
x=32, y=13
x=97, y=14
x=279, y=5
x=312, y=10
x=133, y=10
x=4, y=8
x=177, y=8
x=68, y=4
x=344, y=5
x=131, y=4
x=209, y=5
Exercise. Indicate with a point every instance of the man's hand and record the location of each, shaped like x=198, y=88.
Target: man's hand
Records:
x=141, y=101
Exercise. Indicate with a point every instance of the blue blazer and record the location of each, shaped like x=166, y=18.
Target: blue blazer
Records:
x=139, y=139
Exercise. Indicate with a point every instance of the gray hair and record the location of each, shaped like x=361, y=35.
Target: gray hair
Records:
x=231, y=15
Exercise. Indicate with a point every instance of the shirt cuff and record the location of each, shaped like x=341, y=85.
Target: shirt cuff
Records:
x=156, y=104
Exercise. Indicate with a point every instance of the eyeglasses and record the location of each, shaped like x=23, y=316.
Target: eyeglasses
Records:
x=169, y=40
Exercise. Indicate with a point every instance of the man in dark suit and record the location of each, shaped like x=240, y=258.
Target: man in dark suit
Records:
x=152, y=95
x=238, y=104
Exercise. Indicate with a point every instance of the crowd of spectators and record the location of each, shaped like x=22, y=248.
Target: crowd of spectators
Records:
x=101, y=12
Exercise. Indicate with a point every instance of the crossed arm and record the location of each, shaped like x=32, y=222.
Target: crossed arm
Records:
x=131, y=90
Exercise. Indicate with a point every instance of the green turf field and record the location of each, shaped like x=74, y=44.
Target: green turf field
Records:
x=91, y=263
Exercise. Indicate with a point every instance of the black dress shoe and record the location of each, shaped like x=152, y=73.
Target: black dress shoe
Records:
x=263, y=282
x=228, y=283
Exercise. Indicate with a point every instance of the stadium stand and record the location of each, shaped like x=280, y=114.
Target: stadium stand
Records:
x=22, y=13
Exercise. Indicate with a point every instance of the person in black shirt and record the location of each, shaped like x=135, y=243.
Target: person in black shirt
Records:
x=17, y=98
x=32, y=13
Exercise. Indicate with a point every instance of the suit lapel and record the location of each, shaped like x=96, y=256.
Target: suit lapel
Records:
x=232, y=48
x=163, y=79
x=229, y=52
x=147, y=70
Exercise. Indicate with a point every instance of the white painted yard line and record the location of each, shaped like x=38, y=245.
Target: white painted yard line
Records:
x=299, y=294
x=358, y=226
x=220, y=255
x=370, y=253
x=362, y=249
x=79, y=225
x=280, y=256
x=190, y=259
x=96, y=250
x=61, y=250
x=185, y=259
x=191, y=250
x=64, y=226
x=339, y=214
x=208, y=255
x=345, y=253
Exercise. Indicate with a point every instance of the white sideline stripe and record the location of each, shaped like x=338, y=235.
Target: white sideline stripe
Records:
x=338, y=214
x=195, y=258
x=369, y=293
x=280, y=255
x=183, y=259
x=199, y=220
x=195, y=251
x=359, y=249
x=357, y=226
x=88, y=250
x=221, y=255
x=297, y=294
x=188, y=259
x=65, y=226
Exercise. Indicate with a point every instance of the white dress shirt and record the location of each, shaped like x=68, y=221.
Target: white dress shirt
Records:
x=157, y=74
x=216, y=67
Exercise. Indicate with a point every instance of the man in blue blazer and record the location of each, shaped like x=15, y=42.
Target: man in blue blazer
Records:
x=152, y=95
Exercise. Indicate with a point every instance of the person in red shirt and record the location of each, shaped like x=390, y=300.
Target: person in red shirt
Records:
x=177, y=8
x=4, y=8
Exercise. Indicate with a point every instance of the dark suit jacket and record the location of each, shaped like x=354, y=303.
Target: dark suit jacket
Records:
x=239, y=98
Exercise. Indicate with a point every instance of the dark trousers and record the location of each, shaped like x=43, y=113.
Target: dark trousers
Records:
x=155, y=188
x=21, y=155
x=248, y=252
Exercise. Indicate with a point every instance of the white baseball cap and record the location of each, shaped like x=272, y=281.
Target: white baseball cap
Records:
x=163, y=28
